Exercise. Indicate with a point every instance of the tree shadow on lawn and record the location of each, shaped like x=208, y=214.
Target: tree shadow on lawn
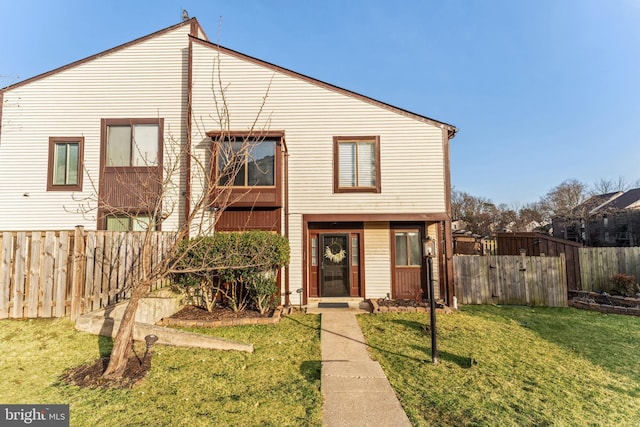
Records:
x=594, y=336
x=463, y=362
x=423, y=328
x=311, y=370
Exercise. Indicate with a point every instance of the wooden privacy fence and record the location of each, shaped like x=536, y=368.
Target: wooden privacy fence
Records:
x=510, y=279
x=60, y=273
x=598, y=265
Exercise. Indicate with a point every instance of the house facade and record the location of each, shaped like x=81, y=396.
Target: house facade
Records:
x=611, y=219
x=355, y=184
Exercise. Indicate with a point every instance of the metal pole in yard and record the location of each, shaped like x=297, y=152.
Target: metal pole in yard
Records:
x=428, y=253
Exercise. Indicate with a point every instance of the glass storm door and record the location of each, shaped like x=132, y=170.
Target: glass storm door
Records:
x=334, y=264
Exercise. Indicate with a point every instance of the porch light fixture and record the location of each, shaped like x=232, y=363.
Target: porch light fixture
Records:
x=428, y=245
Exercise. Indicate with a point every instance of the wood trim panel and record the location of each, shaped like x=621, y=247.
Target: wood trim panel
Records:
x=50, y=166
x=188, y=148
x=217, y=134
x=147, y=180
x=408, y=217
x=249, y=219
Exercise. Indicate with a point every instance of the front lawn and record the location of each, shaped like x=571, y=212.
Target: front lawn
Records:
x=512, y=366
x=278, y=384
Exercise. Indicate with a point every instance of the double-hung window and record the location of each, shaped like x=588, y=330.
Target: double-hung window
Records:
x=356, y=164
x=65, y=164
x=132, y=145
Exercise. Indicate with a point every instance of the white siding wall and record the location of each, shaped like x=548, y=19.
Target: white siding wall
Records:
x=377, y=254
x=412, y=162
x=411, y=151
x=148, y=79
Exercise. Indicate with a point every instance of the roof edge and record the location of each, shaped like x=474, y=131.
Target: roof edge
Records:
x=451, y=130
x=193, y=22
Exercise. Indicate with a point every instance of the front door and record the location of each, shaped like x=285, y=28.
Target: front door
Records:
x=334, y=265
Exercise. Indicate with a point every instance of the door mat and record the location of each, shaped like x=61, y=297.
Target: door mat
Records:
x=333, y=305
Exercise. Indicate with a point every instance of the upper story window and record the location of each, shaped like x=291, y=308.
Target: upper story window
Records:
x=65, y=164
x=247, y=162
x=356, y=164
x=132, y=143
x=246, y=169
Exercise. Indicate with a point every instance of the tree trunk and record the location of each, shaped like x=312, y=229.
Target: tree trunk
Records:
x=123, y=341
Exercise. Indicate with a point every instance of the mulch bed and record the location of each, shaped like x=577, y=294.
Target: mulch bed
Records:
x=191, y=312
x=383, y=305
x=192, y=316
x=90, y=375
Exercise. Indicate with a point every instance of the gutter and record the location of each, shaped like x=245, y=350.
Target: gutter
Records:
x=285, y=155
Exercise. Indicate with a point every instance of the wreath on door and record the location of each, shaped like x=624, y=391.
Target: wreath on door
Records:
x=335, y=253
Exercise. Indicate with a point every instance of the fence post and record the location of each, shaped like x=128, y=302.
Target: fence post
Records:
x=77, y=276
x=523, y=256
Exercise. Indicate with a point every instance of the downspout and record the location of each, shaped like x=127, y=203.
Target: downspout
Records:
x=187, y=181
x=285, y=158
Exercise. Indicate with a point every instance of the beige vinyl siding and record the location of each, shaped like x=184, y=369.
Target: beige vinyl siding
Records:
x=377, y=254
x=296, y=262
x=411, y=151
x=143, y=80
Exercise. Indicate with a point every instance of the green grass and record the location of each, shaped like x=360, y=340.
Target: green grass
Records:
x=278, y=384
x=512, y=366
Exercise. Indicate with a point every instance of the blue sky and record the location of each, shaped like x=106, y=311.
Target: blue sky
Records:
x=541, y=91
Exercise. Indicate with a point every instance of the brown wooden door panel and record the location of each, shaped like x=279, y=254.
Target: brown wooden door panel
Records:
x=408, y=283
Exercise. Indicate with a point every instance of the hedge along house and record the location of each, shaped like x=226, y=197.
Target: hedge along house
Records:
x=354, y=183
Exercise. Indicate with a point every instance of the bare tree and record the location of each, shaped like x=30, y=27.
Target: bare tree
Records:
x=562, y=199
x=155, y=197
x=603, y=185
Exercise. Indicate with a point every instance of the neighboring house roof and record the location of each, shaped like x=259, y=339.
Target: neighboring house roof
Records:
x=196, y=29
x=628, y=200
x=593, y=203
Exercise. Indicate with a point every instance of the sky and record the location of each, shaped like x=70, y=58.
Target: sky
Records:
x=541, y=91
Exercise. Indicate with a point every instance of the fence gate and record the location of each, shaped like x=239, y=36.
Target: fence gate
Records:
x=508, y=279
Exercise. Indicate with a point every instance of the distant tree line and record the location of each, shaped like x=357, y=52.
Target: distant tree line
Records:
x=482, y=216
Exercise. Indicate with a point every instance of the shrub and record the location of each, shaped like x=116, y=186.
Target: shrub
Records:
x=264, y=289
x=624, y=284
x=239, y=266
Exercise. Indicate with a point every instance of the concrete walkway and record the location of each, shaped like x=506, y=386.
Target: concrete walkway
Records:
x=356, y=391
